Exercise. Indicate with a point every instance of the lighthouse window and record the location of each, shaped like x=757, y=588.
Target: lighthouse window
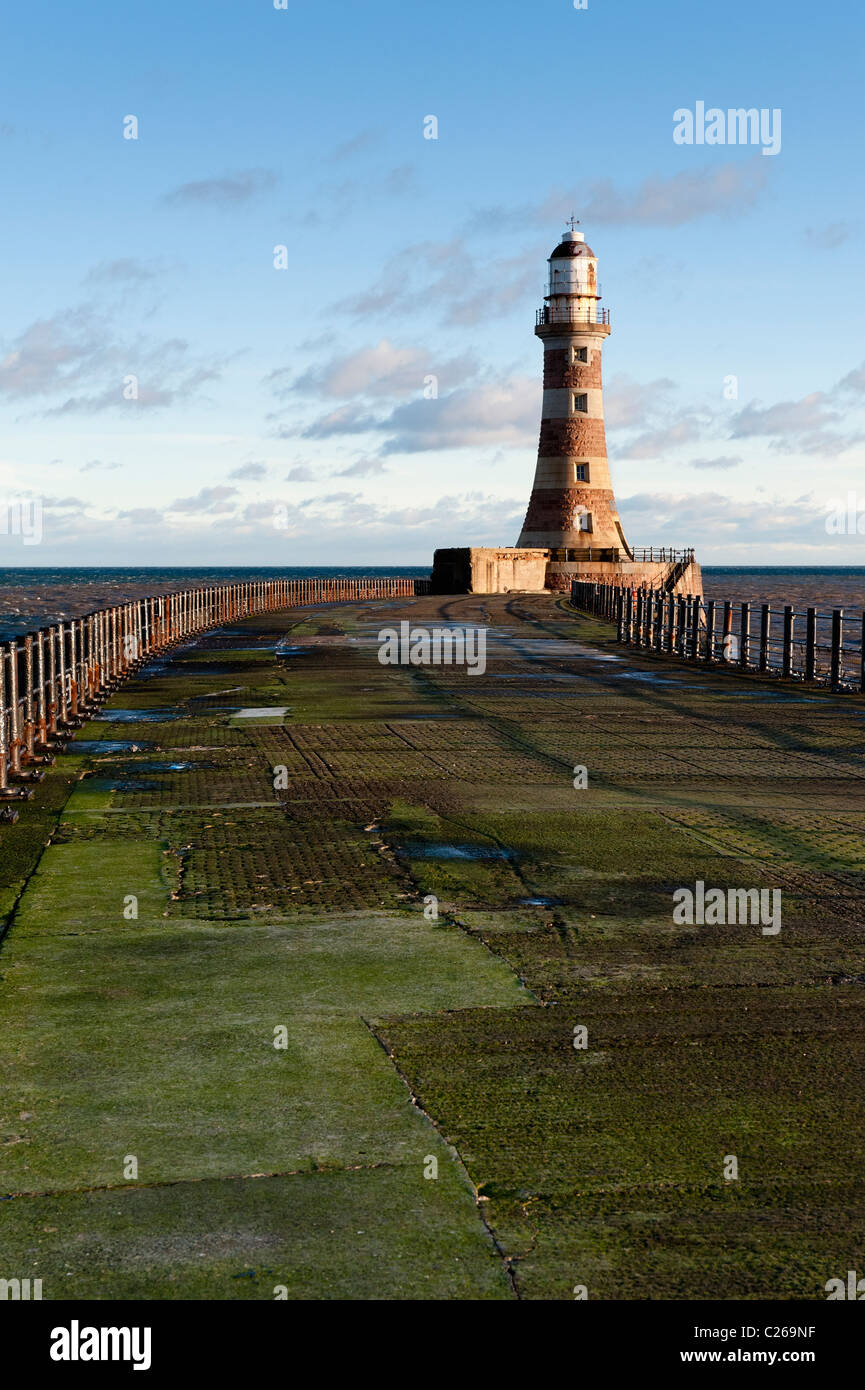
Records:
x=581, y=403
x=579, y=354
x=581, y=472
x=586, y=521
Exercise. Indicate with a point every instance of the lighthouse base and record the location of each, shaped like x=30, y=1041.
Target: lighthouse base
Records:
x=505, y=570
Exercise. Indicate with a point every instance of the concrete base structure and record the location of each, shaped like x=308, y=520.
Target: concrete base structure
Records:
x=489, y=570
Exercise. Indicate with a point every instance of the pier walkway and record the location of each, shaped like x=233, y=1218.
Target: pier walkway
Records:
x=289, y=1001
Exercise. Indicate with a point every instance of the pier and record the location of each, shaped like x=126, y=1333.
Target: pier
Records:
x=325, y=978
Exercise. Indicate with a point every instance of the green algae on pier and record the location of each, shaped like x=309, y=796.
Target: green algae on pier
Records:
x=302, y=907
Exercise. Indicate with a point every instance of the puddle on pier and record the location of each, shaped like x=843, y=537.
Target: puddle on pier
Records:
x=205, y=668
x=172, y=767
x=263, y=712
x=121, y=784
x=107, y=745
x=551, y=650
x=212, y=709
x=652, y=678
x=422, y=849
x=139, y=716
x=722, y=691
x=214, y=695
x=139, y=777
x=776, y=695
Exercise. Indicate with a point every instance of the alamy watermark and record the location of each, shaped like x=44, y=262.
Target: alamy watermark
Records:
x=20, y=1289
x=736, y=126
x=22, y=516
x=718, y=907
x=854, y=1288
x=437, y=646
x=77, y=1343
x=845, y=517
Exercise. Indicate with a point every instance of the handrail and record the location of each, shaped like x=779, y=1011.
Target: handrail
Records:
x=721, y=631
x=662, y=553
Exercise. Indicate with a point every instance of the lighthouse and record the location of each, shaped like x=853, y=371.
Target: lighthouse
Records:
x=572, y=510
x=572, y=529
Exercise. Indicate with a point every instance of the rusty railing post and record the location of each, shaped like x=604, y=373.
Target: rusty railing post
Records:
x=710, y=630
x=811, y=644
x=745, y=635
x=29, y=721
x=694, y=643
x=41, y=704
x=61, y=652
x=787, y=657
x=4, y=735
x=837, y=644
x=73, y=669
x=14, y=713
x=765, y=628
x=727, y=631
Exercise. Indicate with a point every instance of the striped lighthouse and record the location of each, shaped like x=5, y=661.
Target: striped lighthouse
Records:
x=572, y=510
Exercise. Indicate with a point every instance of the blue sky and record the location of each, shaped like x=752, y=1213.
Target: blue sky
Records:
x=296, y=395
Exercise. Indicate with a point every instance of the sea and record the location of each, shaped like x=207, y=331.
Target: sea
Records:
x=31, y=598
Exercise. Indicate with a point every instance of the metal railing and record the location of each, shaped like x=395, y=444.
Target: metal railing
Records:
x=660, y=552
x=796, y=644
x=584, y=554
x=573, y=314
x=54, y=679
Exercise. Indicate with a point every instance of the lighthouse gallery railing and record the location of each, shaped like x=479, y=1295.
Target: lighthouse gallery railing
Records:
x=573, y=314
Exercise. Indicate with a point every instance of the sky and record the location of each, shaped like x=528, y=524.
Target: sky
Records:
x=281, y=324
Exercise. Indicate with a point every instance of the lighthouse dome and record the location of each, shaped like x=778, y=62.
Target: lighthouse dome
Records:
x=571, y=244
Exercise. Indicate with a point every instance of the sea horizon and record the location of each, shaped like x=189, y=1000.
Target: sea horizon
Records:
x=39, y=595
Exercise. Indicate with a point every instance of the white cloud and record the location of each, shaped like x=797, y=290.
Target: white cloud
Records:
x=228, y=191
x=76, y=354
x=209, y=499
x=384, y=370
x=664, y=201
x=724, y=462
x=248, y=472
x=505, y=413
x=801, y=426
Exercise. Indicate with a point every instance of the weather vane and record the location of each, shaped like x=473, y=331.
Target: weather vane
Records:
x=573, y=222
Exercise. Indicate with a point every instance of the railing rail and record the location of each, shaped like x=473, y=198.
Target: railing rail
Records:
x=802, y=644
x=53, y=679
x=572, y=314
x=660, y=552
